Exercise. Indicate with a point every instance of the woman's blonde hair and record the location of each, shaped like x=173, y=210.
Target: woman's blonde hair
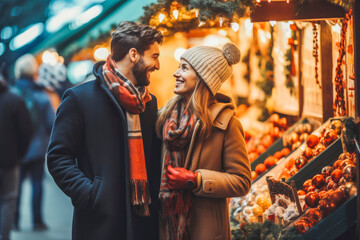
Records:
x=199, y=103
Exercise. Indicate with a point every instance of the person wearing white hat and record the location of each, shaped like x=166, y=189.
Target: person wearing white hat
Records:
x=204, y=158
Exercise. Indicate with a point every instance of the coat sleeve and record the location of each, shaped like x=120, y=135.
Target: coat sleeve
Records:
x=235, y=180
x=66, y=137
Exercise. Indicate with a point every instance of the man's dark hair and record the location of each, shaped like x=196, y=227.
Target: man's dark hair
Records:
x=129, y=35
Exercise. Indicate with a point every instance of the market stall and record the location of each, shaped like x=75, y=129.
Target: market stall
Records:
x=298, y=108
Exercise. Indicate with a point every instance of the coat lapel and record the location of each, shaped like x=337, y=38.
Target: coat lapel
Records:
x=192, y=157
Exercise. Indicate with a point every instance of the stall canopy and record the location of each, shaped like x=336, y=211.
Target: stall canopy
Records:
x=34, y=26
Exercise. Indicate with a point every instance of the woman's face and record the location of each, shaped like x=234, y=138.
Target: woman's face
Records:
x=185, y=80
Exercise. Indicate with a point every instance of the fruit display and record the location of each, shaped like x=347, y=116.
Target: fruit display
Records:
x=292, y=139
x=315, y=143
x=269, y=162
x=274, y=129
x=327, y=190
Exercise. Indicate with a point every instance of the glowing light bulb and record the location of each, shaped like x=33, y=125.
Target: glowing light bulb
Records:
x=101, y=54
x=269, y=1
x=258, y=1
x=235, y=26
x=176, y=14
x=221, y=21
x=178, y=52
x=287, y=1
x=222, y=33
x=161, y=17
x=196, y=12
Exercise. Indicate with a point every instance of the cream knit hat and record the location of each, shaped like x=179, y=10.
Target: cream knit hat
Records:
x=213, y=64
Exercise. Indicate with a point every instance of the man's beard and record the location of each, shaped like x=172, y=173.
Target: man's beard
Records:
x=140, y=73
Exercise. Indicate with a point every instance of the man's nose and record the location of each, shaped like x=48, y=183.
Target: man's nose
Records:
x=157, y=64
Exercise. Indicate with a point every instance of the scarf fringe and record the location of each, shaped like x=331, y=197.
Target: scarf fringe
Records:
x=176, y=212
x=140, y=197
x=177, y=203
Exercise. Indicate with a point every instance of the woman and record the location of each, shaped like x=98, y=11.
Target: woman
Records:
x=204, y=155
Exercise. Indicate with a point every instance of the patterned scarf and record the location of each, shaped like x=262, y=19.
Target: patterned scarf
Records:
x=176, y=205
x=133, y=100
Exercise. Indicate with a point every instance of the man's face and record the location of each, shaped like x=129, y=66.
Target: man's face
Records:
x=147, y=63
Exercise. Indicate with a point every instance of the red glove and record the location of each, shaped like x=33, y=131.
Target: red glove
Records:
x=181, y=178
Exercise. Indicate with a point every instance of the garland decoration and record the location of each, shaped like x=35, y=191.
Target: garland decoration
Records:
x=171, y=16
x=264, y=231
x=266, y=65
x=339, y=107
x=290, y=68
x=316, y=53
x=346, y=4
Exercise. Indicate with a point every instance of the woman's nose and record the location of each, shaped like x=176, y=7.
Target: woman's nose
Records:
x=176, y=74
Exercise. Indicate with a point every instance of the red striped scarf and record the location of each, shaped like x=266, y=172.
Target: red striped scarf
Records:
x=133, y=100
x=176, y=205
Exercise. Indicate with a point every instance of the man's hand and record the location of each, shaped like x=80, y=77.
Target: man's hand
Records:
x=181, y=178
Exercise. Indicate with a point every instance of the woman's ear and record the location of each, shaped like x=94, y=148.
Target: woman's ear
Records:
x=134, y=55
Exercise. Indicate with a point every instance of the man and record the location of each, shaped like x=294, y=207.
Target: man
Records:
x=15, y=136
x=103, y=151
x=42, y=118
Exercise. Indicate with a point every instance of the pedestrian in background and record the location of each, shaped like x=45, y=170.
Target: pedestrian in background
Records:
x=15, y=136
x=54, y=79
x=42, y=118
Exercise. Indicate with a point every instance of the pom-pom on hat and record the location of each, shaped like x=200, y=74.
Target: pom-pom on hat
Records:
x=213, y=64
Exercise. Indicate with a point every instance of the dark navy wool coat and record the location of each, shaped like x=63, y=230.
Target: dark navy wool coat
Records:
x=88, y=159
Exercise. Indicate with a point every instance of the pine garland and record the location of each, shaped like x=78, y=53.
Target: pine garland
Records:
x=267, y=230
x=346, y=4
x=209, y=11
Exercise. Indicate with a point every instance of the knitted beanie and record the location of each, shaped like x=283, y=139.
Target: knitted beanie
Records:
x=213, y=64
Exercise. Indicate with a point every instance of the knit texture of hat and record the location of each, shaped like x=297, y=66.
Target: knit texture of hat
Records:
x=213, y=64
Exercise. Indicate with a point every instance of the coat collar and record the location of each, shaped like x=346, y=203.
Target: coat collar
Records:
x=220, y=114
x=222, y=111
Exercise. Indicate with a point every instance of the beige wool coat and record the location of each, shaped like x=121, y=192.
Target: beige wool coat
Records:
x=223, y=162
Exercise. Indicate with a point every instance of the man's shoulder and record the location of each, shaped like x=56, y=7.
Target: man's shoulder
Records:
x=85, y=87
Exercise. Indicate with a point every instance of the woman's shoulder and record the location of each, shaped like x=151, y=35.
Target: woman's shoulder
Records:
x=221, y=114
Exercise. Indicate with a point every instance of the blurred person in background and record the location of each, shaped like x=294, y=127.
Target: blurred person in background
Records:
x=51, y=76
x=54, y=78
x=103, y=151
x=205, y=159
x=15, y=136
x=42, y=117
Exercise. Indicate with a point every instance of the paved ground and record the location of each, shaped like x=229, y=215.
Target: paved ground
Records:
x=57, y=212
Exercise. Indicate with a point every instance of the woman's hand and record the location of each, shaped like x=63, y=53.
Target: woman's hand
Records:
x=181, y=178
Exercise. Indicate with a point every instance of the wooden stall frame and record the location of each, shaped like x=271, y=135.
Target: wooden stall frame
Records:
x=264, y=11
x=356, y=40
